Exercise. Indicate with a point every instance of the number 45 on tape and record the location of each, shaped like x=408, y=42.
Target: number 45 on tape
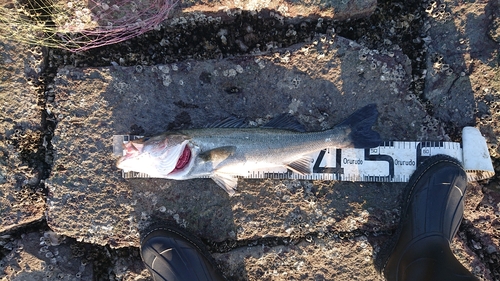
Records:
x=395, y=161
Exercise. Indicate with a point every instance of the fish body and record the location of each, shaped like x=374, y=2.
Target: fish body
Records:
x=227, y=150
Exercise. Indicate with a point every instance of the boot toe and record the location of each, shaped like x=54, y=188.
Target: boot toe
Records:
x=432, y=210
x=171, y=253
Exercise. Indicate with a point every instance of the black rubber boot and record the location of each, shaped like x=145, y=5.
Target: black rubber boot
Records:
x=430, y=217
x=172, y=254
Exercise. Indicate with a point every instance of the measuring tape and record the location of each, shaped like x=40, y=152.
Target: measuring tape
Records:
x=392, y=161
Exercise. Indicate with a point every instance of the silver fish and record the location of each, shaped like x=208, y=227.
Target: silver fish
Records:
x=226, y=150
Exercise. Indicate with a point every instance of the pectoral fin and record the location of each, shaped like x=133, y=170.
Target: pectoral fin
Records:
x=217, y=154
x=227, y=182
x=301, y=166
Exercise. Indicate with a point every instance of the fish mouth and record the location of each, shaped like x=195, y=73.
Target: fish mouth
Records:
x=183, y=160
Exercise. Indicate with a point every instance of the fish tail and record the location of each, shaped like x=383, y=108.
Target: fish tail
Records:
x=360, y=123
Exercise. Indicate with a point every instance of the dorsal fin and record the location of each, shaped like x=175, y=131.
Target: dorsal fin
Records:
x=286, y=122
x=229, y=122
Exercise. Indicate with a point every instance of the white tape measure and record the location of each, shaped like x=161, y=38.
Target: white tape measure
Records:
x=392, y=161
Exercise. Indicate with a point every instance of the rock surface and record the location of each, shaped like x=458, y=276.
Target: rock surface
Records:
x=21, y=136
x=339, y=10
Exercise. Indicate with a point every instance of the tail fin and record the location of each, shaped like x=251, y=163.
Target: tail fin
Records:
x=360, y=123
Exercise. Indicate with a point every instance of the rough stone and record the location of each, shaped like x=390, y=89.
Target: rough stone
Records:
x=468, y=92
x=337, y=9
x=340, y=10
x=39, y=256
x=20, y=136
x=458, y=51
x=318, y=259
x=495, y=29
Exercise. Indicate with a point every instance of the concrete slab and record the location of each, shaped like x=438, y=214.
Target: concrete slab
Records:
x=320, y=83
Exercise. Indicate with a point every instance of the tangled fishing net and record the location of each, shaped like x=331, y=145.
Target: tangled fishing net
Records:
x=79, y=25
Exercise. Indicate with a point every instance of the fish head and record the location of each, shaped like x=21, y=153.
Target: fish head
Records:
x=157, y=156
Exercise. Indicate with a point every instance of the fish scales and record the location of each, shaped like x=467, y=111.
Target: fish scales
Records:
x=263, y=141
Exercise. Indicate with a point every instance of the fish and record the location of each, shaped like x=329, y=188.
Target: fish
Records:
x=228, y=149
